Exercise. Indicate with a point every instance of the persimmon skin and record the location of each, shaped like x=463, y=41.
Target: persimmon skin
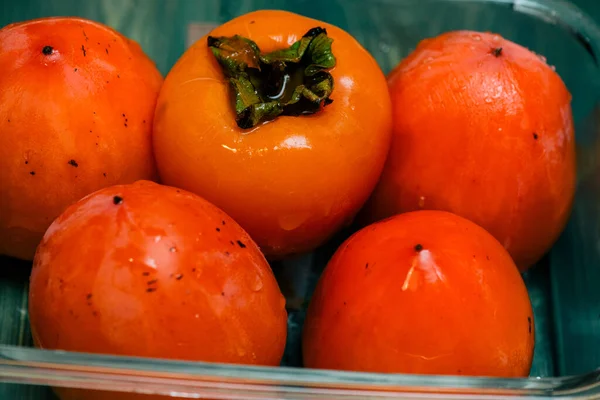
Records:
x=489, y=137
x=153, y=271
x=291, y=182
x=77, y=101
x=425, y=292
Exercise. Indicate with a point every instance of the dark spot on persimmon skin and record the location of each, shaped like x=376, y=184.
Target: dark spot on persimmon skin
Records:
x=73, y=163
x=241, y=244
x=152, y=282
x=85, y=36
x=222, y=293
x=487, y=258
x=227, y=253
x=218, y=229
x=118, y=76
x=151, y=289
x=117, y=200
x=223, y=222
x=106, y=51
x=344, y=303
x=252, y=22
x=367, y=266
x=529, y=323
x=145, y=273
x=26, y=162
x=231, y=241
x=32, y=173
x=9, y=121
x=418, y=247
x=95, y=313
x=535, y=136
x=144, y=121
x=75, y=70
x=89, y=296
x=179, y=277
x=83, y=50
x=47, y=50
x=497, y=51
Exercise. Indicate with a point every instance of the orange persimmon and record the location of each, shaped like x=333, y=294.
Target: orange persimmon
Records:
x=425, y=292
x=77, y=101
x=303, y=147
x=154, y=271
x=483, y=128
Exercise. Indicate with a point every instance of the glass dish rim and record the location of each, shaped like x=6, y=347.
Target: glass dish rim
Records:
x=33, y=366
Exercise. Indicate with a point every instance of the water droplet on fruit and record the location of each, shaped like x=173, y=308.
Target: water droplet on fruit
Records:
x=197, y=316
x=421, y=201
x=476, y=37
x=292, y=221
x=488, y=100
x=130, y=260
x=150, y=262
x=257, y=285
x=553, y=68
x=157, y=239
x=496, y=38
x=542, y=58
x=427, y=60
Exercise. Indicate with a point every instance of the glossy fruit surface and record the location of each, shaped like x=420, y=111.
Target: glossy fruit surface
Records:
x=77, y=101
x=290, y=182
x=483, y=128
x=425, y=292
x=153, y=271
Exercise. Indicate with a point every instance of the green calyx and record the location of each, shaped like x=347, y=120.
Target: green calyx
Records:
x=292, y=81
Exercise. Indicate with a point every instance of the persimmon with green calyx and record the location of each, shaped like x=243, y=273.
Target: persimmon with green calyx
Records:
x=483, y=128
x=282, y=121
x=153, y=271
x=77, y=101
x=424, y=292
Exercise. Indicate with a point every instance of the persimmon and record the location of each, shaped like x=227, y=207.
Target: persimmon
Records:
x=482, y=128
x=77, y=101
x=153, y=271
x=424, y=292
x=282, y=121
